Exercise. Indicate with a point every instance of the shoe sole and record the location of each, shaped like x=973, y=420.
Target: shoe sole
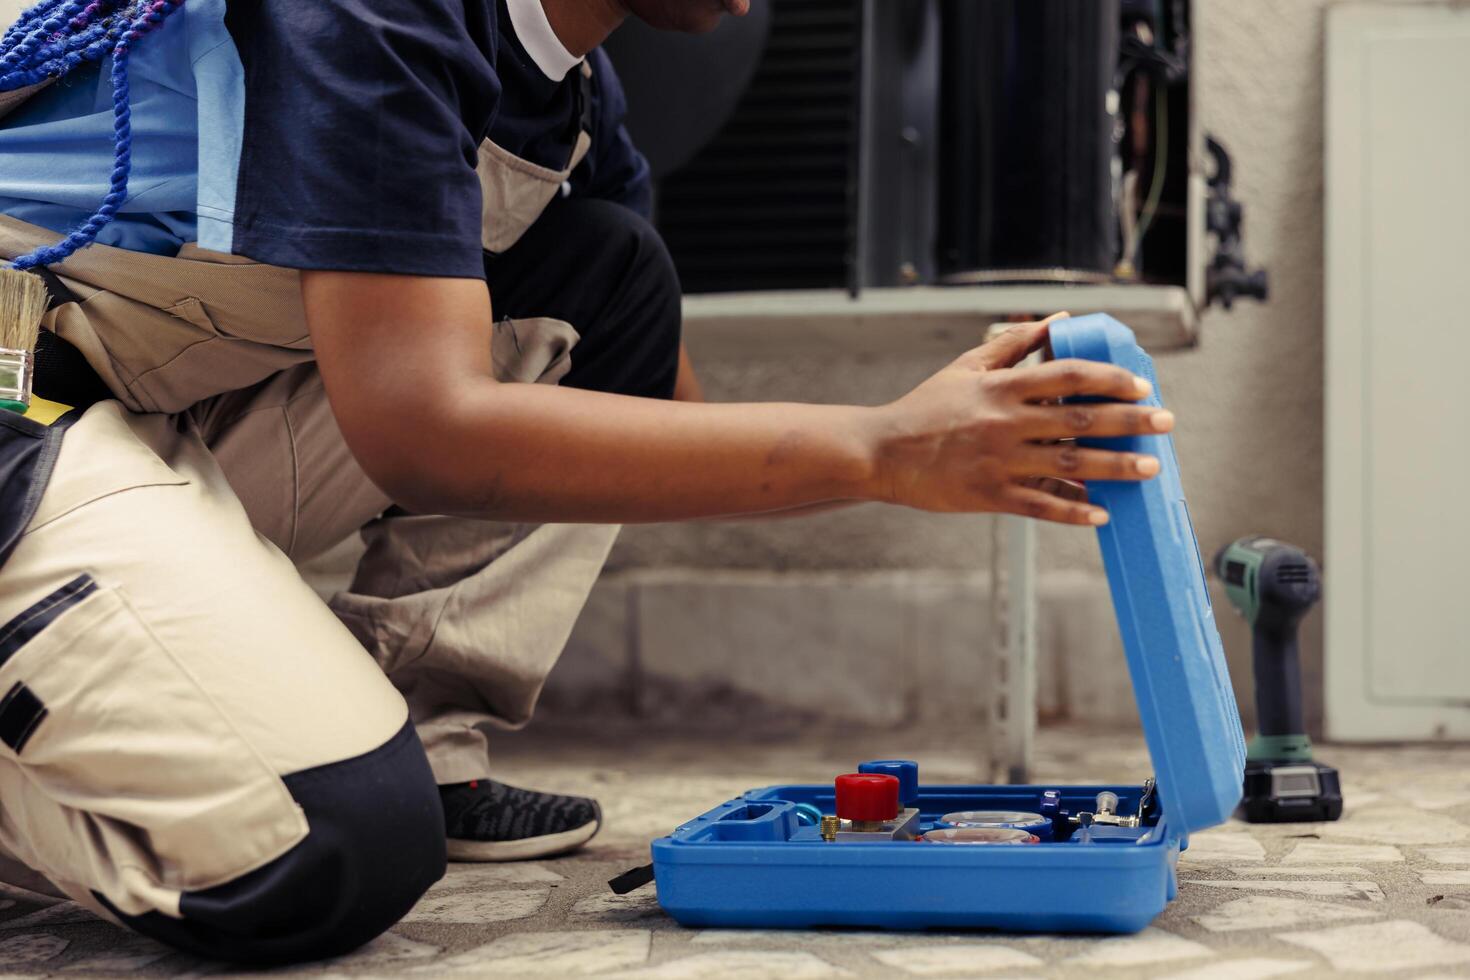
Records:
x=546, y=845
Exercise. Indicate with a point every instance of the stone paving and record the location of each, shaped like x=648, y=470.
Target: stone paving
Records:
x=1385, y=891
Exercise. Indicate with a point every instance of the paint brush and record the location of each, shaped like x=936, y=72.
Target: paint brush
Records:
x=23, y=300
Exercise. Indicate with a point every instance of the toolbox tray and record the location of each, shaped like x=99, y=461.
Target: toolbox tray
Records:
x=753, y=862
x=750, y=863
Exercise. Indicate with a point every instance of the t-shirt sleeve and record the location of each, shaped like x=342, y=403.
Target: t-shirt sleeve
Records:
x=362, y=121
x=614, y=170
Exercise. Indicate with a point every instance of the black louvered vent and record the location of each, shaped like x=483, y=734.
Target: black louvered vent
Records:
x=768, y=204
x=1293, y=574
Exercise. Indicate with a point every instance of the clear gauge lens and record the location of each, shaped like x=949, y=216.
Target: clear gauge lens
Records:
x=992, y=818
x=980, y=835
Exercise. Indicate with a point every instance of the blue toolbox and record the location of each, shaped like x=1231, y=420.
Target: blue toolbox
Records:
x=879, y=849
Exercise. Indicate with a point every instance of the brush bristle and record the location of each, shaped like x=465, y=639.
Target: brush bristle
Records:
x=23, y=300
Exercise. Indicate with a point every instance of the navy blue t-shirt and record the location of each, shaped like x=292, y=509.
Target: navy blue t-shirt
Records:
x=337, y=134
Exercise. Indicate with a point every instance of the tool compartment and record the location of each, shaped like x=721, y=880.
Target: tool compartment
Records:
x=786, y=876
x=1083, y=859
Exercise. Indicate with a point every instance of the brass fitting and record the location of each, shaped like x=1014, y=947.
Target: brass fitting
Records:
x=830, y=825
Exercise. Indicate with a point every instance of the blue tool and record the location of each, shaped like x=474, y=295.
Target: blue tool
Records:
x=906, y=772
x=1051, y=804
x=808, y=815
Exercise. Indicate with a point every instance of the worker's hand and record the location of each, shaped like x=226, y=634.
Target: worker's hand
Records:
x=983, y=434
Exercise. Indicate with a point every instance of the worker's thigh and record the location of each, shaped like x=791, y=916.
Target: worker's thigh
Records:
x=189, y=740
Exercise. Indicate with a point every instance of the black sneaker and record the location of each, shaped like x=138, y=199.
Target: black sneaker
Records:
x=490, y=821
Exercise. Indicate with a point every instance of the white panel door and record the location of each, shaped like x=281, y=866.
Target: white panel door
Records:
x=1398, y=371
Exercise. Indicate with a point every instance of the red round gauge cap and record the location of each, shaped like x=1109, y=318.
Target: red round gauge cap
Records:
x=867, y=796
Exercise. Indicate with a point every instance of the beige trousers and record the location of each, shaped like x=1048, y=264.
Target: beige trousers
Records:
x=188, y=670
x=464, y=617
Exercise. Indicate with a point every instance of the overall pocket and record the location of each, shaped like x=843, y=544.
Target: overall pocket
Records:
x=533, y=350
x=514, y=192
x=118, y=771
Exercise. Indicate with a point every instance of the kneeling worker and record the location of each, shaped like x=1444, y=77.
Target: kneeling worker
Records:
x=378, y=267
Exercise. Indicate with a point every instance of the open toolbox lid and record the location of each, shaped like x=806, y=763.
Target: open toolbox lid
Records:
x=1180, y=680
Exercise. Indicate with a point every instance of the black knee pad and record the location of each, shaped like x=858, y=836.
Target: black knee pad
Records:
x=375, y=845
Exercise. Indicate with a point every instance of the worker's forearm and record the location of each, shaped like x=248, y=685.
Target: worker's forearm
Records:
x=688, y=389
x=407, y=364
x=805, y=510
x=540, y=453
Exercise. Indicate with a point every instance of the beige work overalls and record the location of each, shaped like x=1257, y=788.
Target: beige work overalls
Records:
x=182, y=663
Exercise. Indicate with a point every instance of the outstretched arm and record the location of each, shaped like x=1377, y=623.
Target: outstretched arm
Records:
x=406, y=362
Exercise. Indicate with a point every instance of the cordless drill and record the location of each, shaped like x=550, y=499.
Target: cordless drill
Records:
x=1274, y=585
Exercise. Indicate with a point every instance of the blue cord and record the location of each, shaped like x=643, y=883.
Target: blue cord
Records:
x=52, y=38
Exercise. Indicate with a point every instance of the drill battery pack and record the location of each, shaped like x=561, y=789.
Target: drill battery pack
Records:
x=880, y=849
x=1289, y=792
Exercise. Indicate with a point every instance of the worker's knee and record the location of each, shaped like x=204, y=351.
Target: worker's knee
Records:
x=624, y=258
x=604, y=270
x=655, y=307
x=609, y=243
x=630, y=341
x=651, y=265
x=375, y=845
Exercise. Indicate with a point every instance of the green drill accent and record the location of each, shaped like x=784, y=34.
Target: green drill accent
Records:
x=1279, y=748
x=1241, y=567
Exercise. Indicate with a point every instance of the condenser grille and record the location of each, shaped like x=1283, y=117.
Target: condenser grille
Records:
x=768, y=204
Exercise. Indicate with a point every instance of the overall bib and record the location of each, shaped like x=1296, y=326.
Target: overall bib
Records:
x=168, y=670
